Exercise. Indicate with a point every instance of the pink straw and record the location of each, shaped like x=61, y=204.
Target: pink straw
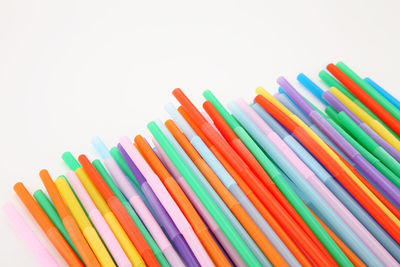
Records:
x=169, y=204
x=98, y=221
x=18, y=222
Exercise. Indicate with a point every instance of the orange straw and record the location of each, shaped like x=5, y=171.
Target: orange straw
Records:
x=47, y=226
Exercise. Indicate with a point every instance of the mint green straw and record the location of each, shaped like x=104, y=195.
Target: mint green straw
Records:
x=280, y=182
x=143, y=230
x=370, y=90
x=51, y=212
x=337, y=124
x=207, y=201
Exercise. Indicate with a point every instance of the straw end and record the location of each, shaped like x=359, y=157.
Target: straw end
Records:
x=70, y=160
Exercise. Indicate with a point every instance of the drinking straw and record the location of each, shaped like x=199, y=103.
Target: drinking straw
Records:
x=288, y=103
x=339, y=106
x=168, y=224
x=47, y=226
x=98, y=221
x=388, y=116
x=182, y=201
x=239, y=147
x=269, y=141
x=167, y=201
x=346, y=215
x=122, y=237
x=347, y=251
x=220, y=218
x=335, y=122
x=84, y=223
x=47, y=206
x=259, y=255
x=208, y=219
x=312, y=87
x=39, y=250
x=128, y=192
x=228, y=189
x=374, y=124
x=392, y=191
x=74, y=229
x=118, y=209
x=352, y=183
x=367, y=142
x=383, y=92
x=236, y=162
x=363, y=89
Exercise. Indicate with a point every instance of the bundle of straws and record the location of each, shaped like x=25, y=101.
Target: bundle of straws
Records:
x=277, y=182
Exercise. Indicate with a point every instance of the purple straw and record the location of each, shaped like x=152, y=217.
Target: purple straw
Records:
x=167, y=224
x=391, y=190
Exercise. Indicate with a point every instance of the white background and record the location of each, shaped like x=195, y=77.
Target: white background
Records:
x=70, y=70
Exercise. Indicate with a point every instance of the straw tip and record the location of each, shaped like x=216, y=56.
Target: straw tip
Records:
x=70, y=160
x=100, y=147
x=330, y=65
x=82, y=157
x=43, y=172
x=18, y=186
x=301, y=76
x=177, y=91
x=281, y=79
x=207, y=93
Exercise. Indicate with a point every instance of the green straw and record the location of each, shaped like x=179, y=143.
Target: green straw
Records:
x=51, y=212
x=366, y=141
x=280, y=182
x=201, y=193
x=370, y=90
x=114, y=188
x=336, y=123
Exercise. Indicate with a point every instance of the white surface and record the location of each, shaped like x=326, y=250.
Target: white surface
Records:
x=73, y=69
